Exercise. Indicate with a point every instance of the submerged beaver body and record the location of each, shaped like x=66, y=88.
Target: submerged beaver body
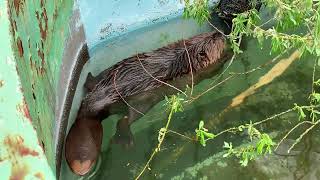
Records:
x=135, y=85
x=145, y=72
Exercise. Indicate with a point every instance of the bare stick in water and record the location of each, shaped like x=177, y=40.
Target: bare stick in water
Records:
x=159, y=79
x=115, y=87
x=189, y=60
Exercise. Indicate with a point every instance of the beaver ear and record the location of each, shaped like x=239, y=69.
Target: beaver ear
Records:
x=90, y=82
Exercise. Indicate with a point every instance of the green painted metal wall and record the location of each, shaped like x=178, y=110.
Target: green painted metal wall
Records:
x=21, y=154
x=39, y=29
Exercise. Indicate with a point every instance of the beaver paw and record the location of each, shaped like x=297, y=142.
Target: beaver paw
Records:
x=124, y=139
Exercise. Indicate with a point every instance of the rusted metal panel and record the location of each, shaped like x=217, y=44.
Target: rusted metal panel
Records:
x=39, y=30
x=21, y=154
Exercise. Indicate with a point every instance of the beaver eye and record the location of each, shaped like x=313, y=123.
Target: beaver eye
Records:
x=202, y=53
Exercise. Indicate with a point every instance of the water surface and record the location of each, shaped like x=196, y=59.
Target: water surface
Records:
x=183, y=159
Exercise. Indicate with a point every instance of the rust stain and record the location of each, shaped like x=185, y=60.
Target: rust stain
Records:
x=43, y=146
x=31, y=62
x=29, y=43
x=18, y=4
x=20, y=47
x=1, y=83
x=41, y=55
x=23, y=108
x=13, y=24
x=17, y=147
x=42, y=70
x=19, y=172
x=42, y=3
x=43, y=23
x=39, y=175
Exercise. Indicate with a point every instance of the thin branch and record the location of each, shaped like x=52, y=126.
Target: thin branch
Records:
x=191, y=71
x=157, y=149
x=159, y=79
x=256, y=123
x=213, y=87
x=220, y=75
x=179, y=134
x=260, y=26
x=233, y=74
x=115, y=87
x=288, y=133
x=302, y=135
x=217, y=29
x=274, y=116
x=313, y=75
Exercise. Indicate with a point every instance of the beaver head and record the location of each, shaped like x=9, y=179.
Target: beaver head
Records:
x=228, y=9
x=83, y=145
x=202, y=51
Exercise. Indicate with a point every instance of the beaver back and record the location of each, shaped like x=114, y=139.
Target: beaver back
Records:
x=142, y=72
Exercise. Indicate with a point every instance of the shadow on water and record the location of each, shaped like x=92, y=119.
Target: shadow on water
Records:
x=182, y=159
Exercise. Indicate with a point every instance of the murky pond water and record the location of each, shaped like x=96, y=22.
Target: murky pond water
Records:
x=180, y=158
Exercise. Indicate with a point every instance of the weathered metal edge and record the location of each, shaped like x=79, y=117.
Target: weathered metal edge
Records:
x=74, y=57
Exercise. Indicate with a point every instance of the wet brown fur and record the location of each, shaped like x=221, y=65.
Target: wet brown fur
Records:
x=129, y=78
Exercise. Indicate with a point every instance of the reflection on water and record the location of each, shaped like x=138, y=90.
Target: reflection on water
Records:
x=182, y=159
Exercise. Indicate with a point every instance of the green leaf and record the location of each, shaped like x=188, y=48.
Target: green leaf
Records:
x=315, y=97
x=227, y=145
x=240, y=128
x=266, y=143
x=201, y=124
x=301, y=113
x=209, y=135
x=202, y=141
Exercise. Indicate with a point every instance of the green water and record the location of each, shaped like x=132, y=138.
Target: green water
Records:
x=182, y=159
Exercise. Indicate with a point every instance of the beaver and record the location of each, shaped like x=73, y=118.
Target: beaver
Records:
x=138, y=81
x=228, y=9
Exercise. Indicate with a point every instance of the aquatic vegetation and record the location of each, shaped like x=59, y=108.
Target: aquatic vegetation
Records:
x=198, y=10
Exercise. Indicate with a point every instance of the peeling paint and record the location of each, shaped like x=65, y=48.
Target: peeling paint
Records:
x=18, y=5
x=15, y=146
x=39, y=175
x=43, y=23
x=19, y=172
x=20, y=47
x=1, y=83
x=23, y=108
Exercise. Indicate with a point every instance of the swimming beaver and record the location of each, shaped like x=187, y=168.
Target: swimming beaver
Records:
x=229, y=8
x=138, y=80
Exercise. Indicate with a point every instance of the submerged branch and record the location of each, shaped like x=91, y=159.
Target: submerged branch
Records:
x=159, y=79
x=191, y=71
x=115, y=87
